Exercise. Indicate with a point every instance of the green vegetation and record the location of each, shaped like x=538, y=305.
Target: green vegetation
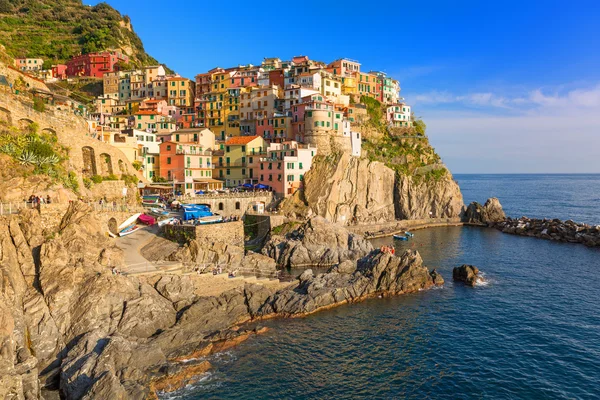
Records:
x=37, y=154
x=95, y=179
x=56, y=30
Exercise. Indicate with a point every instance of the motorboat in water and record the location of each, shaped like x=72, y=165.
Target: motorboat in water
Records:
x=400, y=237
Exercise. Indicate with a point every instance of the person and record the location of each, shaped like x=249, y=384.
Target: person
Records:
x=48, y=201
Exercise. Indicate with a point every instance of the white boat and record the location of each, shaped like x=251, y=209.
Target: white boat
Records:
x=129, y=230
x=167, y=221
x=159, y=212
x=210, y=220
x=129, y=221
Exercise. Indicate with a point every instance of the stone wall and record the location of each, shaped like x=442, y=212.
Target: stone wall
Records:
x=52, y=214
x=227, y=204
x=226, y=232
x=266, y=222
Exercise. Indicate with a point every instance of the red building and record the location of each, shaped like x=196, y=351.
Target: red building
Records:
x=59, y=71
x=95, y=64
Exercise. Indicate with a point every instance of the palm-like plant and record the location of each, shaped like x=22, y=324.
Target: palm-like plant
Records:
x=28, y=158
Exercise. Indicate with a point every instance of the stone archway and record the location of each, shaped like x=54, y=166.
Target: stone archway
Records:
x=122, y=167
x=5, y=115
x=113, y=227
x=24, y=123
x=89, y=162
x=49, y=131
x=106, y=164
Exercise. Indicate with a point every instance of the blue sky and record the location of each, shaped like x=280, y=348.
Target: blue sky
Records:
x=504, y=87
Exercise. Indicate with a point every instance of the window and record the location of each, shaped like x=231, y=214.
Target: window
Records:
x=227, y=149
x=220, y=206
x=243, y=171
x=300, y=166
x=168, y=160
x=243, y=149
x=290, y=165
x=228, y=171
x=270, y=177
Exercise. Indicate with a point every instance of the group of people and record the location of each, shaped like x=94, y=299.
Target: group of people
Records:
x=37, y=200
x=388, y=249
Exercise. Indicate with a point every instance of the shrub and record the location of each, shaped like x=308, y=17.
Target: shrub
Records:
x=110, y=177
x=39, y=104
x=96, y=179
x=87, y=183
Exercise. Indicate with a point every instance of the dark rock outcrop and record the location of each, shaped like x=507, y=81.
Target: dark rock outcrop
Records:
x=488, y=214
x=468, y=274
x=552, y=229
x=316, y=243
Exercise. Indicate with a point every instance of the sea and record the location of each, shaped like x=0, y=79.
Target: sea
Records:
x=531, y=332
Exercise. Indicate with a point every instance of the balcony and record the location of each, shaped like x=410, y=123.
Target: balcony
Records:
x=194, y=153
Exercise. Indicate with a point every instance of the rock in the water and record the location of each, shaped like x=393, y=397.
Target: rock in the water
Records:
x=488, y=214
x=317, y=243
x=468, y=274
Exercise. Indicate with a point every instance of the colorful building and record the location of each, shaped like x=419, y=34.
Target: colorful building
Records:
x=180, y=91
x=283, y=166
x=95, y=64
x=399, y=115
x=188, y=167
x=239, y=154
x=29, y=64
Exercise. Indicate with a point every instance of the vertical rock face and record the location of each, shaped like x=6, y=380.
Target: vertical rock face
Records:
x=342, y=187
x=416, y=199
x=347, y=189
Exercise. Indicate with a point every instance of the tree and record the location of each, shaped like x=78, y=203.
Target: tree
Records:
x=5, y=7
x=420, y=127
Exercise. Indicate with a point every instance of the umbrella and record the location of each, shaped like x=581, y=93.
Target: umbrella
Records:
x=261, y=186
x=247, y=185
x=200, y=192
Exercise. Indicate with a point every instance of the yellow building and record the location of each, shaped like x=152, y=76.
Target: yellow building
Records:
x=234, y=165
x=180, y=91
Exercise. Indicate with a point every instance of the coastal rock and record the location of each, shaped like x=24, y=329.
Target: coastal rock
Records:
x=488, y=214
x=468, y=274
x=347, y=190
x=316, y=243
x=377, y=274
x=552, y=229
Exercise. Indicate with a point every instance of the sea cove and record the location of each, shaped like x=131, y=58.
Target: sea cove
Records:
x=531, y=332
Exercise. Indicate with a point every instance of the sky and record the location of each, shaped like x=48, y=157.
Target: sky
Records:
x=504, y=87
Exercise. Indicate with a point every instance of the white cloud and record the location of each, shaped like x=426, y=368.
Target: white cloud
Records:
x=536, y=131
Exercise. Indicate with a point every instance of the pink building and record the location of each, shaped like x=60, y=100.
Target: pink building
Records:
x=284, y=166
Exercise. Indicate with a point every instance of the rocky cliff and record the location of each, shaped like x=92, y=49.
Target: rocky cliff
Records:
x=347, y=189
x=67, y=322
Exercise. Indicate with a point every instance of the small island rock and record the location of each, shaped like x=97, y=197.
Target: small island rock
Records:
x=468, y=274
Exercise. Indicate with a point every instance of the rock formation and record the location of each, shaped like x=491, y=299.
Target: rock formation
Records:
x=468, y=274
x=67, y=322
x=316, y=243
x=491, y=212
x=346, y=189
x=377, y=274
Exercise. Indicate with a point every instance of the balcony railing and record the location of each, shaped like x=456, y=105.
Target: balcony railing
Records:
x=194, y=153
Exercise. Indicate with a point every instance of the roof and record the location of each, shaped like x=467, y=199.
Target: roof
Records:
x=207, y=180
x=146, y=112
x=240, y=140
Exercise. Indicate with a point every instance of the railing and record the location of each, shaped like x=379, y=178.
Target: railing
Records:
x=231, y=195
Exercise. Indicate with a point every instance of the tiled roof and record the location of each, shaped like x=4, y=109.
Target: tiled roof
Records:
x=145, y=112
x=240, y=140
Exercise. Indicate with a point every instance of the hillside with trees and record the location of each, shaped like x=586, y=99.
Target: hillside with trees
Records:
x=57, y=30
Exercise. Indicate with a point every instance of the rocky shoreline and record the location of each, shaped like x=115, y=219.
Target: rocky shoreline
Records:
x=70, y=324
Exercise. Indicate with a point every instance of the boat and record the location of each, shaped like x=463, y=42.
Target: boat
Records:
x=129, y=230
x=400, y=237
x=408, y=234
x=128, y=222
x=210, y=219
x=167, y=221
x=159, y=212
x=147, y=219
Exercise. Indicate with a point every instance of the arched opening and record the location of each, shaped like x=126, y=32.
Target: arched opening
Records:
x=89, y=162
x=24, y=123
x=237, y=205
x=220, y=206
x=49, y=131
x=122, y=167
x=5, y=115
x=112, y=226
x=106, y=164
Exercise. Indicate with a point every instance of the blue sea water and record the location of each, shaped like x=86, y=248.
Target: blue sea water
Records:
x=533, y=332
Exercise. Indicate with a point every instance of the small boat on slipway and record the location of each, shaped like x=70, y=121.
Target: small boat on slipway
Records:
x=129, y=230
x=168, y=221
x=400, y=237
x=212, y=219
x=158, y=212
